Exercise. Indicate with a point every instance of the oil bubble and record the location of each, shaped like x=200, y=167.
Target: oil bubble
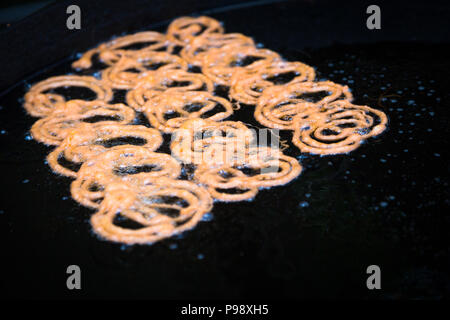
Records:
x=303, y=204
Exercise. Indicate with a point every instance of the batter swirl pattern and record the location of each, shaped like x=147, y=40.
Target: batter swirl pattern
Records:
x=188, y=83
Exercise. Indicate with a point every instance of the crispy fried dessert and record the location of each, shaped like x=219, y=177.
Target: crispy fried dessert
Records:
x=220, y=64
x=339, y=127
x=263, y=168
x=248, y=84
x=110, y=52
x=195, y=51
x=130, y=69
x=166, y=81
x=132, y=165
x=188, y=83
x=40, y=103
x=278, y=105
x=90, y=140
x=168, y=111
x=159, y=210
x=198, y=140
x=176, y=80
x=69, y=115
x=182, y=30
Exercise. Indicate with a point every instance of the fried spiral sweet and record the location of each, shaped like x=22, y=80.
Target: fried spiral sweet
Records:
x=184, y=29
x=164, y=208
x=132, y=165
x=169, y=110
x=339, y=127
x=248, y=84
x=176, y=80
x=232, y=182
x=69, y=115
x=38, y=103
x=167, y=81
x=196, y=141
x=278, y=105
x=111, y=51
x=195, y=51
x=90, y=140
x=189, y=82
x=129, y=70
x=219, y=64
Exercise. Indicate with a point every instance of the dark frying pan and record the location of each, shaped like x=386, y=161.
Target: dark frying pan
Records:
x=386, y=203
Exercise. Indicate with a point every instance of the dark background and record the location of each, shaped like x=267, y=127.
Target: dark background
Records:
x=386, y=203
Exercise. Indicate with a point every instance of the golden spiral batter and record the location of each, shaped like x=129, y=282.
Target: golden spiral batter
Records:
x=195, y=51
x=196, y=138
x=136, y=166
x=246, y=85
x=340, y=128
x=130, y=69
x=69, y=115
x=219, y=64
x=162, y=209
x=181, y=106
x=38, y=103
x=270, y=168
x=89, y=140
x=176, y=80
x=188, y=83
x=184, y=29
x=278, y=105
x=110, y=52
